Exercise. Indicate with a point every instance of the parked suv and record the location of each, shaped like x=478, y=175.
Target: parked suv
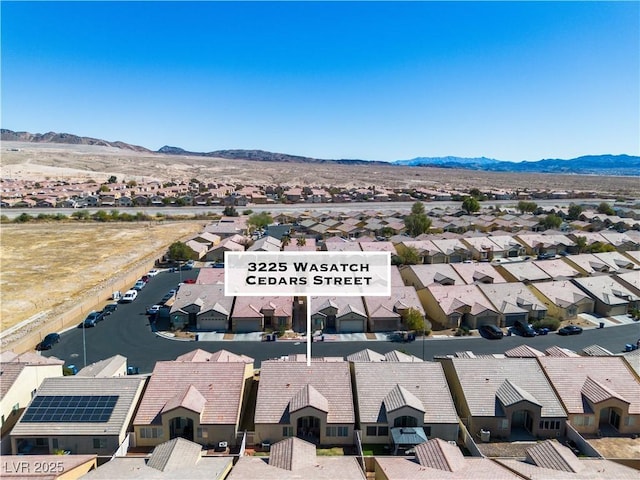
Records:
x=92, y=319
x=491, y=332
x=129, y=296
x=523, y=329
x=49, y=341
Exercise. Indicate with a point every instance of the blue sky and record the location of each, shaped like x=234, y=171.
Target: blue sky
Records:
x=369, y=80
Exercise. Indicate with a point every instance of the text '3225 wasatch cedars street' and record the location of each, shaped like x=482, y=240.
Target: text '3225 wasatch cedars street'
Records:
x=311, y=273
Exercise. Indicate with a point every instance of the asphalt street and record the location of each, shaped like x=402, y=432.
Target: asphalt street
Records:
x=127, y=332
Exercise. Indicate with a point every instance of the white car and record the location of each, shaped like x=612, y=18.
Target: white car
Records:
x=129, y=296
x=139, y=285
x=153, y=273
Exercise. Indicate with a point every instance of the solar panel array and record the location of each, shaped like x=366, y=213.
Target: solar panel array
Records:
x=71, y=408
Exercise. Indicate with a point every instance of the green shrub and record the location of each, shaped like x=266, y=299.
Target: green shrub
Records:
x=548, y=322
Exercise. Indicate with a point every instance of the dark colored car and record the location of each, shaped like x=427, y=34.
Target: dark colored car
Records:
x=492, y=332
x=523, y=329
x=570, y=330
x=109, y=309
x=49, y=341
x=92, y=319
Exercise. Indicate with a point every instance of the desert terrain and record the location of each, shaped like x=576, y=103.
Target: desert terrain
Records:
x=37, y=161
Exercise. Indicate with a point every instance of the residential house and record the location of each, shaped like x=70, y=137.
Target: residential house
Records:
x=611, y=297
x=368, y=355
x=228, y=226
x=378, y=247
x=522, y=272
x=629, y=280
x=197, y=250
x=453, y=306
x=550, y=460
x=515, y=302
x=557, y=268
x=478, y=273
x=563, y=299
x=598, y=393
x=202, y=307
x=483, y=248
x=115, y=366
x=503, y=396
x=254, y=314
x=552, y=244
x=453, y=249
x=175, y=459
x=314, y=402
x=617, y=261
x=298, y=245
x=266, y=244
x=82, y=415
x=391, y=397
x=296, y=459
x=21, y=377
x=216, y=253
x=427, y=251
x=338, y=314
x=508, y=246
x=421, y=276
x=438, y=459
x=386, y=313
x=588, y=264
x=196, y=397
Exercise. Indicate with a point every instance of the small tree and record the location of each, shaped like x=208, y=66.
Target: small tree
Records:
x=417, y=221
x=406, y=255
x=230, y=211
x=470, y=205
x=414, y=320
x=581, y=244
x=285, y=240
x=527, y=207
x=179, y=251
x=574, y=212
x=605, y=209
x=301, y=241
x=260, y=220
x=112, y=179
x=551, y=221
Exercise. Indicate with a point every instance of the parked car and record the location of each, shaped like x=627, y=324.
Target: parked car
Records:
x=145, y=278
x=188, y=266
x=492, y=332
x=139, y=285
x=153, y=272
x=154, y=309
x=190, y=281
x=523, y=329
x=570, y=330
x=92, y=319
x=129, y=296
x=49, y=341
x=109, y=309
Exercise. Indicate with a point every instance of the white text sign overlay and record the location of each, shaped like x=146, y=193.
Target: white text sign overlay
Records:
x=330, y=274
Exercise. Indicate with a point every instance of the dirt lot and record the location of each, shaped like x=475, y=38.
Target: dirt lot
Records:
x=46, y=267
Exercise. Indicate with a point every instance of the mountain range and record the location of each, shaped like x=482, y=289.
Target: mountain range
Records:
x=623, y=165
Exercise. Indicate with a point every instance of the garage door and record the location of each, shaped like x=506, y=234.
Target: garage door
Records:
x=351, y=326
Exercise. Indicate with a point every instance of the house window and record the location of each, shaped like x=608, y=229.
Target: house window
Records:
x=343, y=431
x=405, y=421
x=202, y=432
x=54, y=443
x=331, y=431
x=282, y=321
x=504, y=424
x=287, y=431
x=383, y=431
x=628, y=421
x=372, y=431
x=150, y=432
x=99, y=443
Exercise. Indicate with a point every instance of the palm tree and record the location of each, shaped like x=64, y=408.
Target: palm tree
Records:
x=301, y=241
x=286, y=240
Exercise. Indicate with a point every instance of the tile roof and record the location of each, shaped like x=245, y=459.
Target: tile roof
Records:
x=509, y=394
x=222, y=356
x=281, y=381
x=452, y=298
x=189, y=397
x=422, y=385
x=440, y=455
x=366, y=355
x=220, y=384
x=9, y=373
x=252, y=307
x=401, y=298
x=292, y=454
x=175, y=455
x=512, y=297
x=344, y=305
x=523, y=351
x=596, y=351
x=556, y=351
x=550, y=454
x=480, y=379
x=127, y=389
x=478, y=273
x=308, y=396
x=104, y=368
x=594, y=378
x=563, y=293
